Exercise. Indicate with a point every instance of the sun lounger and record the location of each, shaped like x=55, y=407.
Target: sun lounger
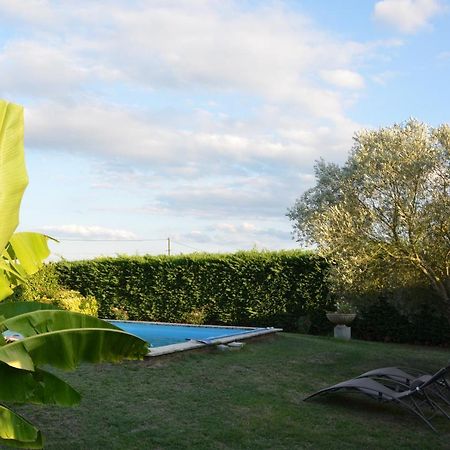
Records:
x=415, y=399
x=410, y=378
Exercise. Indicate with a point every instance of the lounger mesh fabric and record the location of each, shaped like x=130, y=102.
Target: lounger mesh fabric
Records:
x=415, y=399
x=409, y=378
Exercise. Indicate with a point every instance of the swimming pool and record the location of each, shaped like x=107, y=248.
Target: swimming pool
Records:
x=168, y=337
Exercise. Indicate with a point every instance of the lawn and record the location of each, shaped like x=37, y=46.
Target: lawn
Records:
x=247, y=399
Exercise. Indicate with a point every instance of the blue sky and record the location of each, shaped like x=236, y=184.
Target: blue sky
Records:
x=200, y=120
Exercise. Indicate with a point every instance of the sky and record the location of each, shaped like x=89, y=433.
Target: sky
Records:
x=200, y=121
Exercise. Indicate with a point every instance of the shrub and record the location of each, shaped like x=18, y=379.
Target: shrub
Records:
x=196, y=316
x=383, y=320
x=44, y=287
x=118, y=313
x=74, y=301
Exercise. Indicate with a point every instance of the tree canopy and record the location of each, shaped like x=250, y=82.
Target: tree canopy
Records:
x=383, y=218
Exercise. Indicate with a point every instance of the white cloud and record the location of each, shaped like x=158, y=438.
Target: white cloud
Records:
x=221, y=201
x=240, y=235
x=273, y=57
x=38, y=11
x=88, y=232
x=444, y=56
x=343, y=78
x=213, y=46
x=244, y=197
x=383, y=78
x=408, y=16
x=268, y=52
x=249, y=226
x=227, y=227
x=30, y=68
x=111, y=131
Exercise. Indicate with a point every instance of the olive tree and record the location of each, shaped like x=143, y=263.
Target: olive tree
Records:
x=383, y=218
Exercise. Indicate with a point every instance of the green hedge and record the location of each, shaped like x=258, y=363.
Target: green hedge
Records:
x=282, y=289
x=244, y=288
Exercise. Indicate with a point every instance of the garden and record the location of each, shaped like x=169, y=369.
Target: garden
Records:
x=247, y=399
x=381, y=252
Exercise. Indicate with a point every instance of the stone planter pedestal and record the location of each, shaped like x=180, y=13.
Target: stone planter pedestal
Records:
x=341, y=330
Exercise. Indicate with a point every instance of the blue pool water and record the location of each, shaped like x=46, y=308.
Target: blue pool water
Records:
x=158, y=335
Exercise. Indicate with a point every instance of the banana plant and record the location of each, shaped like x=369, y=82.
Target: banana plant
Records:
x=57, y=338
x=46, y=336
x=21, y=253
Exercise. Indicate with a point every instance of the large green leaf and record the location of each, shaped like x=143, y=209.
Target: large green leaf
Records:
x=25, y=251
x=40, y=386
x=13, y=175
x=11, y=309
x=37, y=322
x=17, y=432
x=22, y=257
x=29, y=249
x=5, y=285
x=67, y=348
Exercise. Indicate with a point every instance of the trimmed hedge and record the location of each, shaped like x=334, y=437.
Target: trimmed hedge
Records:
x=281, y=289
x=245, y=288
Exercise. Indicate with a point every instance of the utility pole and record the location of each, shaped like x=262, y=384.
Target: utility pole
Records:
x=168, y=246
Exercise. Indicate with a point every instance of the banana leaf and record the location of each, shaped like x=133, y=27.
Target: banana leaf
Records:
x=13, y=174
x=5, y=286
x=23, y=256
x=23, y=253
x=37, y=322
x=11, y=309
x=29, y=249
x=40, y=387
x=65, y=349
x=17, y=432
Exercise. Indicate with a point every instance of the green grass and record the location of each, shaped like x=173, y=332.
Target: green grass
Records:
x=247, y=399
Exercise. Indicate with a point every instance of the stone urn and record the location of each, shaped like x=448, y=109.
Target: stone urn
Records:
x=342, y=323
x=338, y=318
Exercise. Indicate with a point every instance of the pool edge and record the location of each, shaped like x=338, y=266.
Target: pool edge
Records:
x=193, y=344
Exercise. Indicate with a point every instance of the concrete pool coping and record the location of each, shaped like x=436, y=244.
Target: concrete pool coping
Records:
x=193, y=344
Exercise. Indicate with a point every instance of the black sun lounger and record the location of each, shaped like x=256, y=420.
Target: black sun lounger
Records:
x=410, y=378
x=412, y=399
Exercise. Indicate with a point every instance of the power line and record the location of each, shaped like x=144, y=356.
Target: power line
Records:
x=168, y=240
x=185, y=245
